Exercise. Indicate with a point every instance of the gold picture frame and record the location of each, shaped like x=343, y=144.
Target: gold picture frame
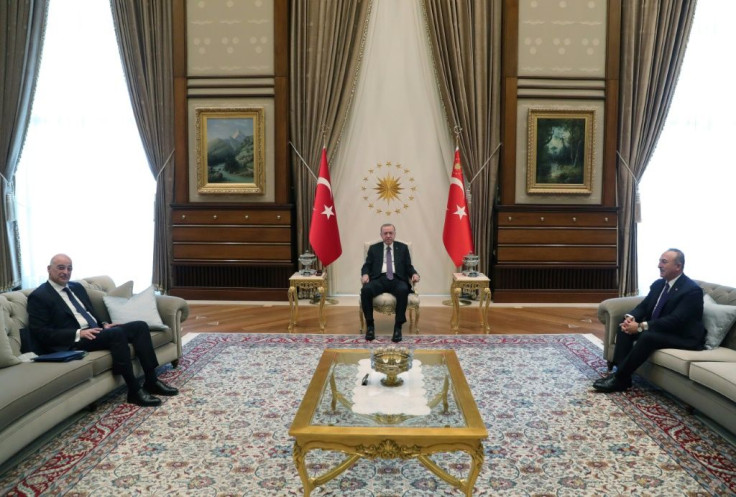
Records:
x=560, y=151
x=230, y=150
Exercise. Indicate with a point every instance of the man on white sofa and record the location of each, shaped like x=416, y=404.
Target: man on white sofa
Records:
x=61, y=317
x=671, y=316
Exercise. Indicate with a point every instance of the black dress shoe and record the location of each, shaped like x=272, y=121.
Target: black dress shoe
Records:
x=161, y=388
x=612, y=383
x=600, y=381
x=143, y=399
x=397, y=334
x=370, y=333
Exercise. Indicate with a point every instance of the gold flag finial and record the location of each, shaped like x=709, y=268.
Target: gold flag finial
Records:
x=457, y=129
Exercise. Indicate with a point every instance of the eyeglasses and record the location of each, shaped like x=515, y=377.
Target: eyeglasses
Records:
x=62, y=267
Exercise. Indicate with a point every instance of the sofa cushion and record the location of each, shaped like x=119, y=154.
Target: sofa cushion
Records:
x=140, y=307
x=718, y=320
x=29, y=385
x=7, y=358
x=680, y=360
x=718, y=376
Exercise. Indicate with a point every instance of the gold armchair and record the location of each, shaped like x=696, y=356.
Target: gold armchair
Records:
x=386, y=303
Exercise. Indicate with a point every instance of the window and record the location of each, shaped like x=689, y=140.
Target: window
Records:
x=687, y=189
x=83, y=185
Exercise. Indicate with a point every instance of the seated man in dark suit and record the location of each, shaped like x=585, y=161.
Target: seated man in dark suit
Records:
x=671, y=316
x=61, y=317
x=387, y=268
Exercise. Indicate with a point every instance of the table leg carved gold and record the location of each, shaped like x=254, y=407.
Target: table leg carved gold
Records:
x=306, y=284
x=389, y=449
x=479, y=285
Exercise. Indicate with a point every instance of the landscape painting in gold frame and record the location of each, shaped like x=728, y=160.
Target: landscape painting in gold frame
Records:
x=560, y=151
x=230, y=150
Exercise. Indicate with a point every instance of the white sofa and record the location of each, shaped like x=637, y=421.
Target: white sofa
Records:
x=705, y=380
x=35, y=397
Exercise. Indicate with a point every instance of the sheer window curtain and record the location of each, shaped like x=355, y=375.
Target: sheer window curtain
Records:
x=83, y=185
x=688, y=188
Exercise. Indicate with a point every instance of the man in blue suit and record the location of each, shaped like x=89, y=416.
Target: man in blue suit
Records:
x=387, y=268
x=61, y=316
x=671, y=316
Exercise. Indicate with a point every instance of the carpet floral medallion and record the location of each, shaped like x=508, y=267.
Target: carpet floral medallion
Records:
x=226, y=434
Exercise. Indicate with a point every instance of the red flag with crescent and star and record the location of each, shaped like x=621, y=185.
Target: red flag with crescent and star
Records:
x=324, y=235
x=456, y=235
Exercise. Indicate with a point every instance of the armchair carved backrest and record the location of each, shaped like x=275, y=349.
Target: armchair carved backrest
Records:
x=386, y=303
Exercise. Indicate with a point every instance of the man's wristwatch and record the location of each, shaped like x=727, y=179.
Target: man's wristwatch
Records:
x=644, y=326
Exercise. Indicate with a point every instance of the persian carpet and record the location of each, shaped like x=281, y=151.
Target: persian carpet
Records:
x=227, y=432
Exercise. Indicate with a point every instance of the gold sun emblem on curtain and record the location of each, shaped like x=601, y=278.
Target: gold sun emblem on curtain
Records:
x=388, y=188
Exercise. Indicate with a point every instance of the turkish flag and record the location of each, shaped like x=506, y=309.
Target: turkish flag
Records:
x=457, y=236
x=324, y=236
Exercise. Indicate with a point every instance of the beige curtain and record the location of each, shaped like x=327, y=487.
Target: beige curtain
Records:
x=465, y=36
x=22, y=26
x=144, y=32
x=654, y=37
x=326, y=45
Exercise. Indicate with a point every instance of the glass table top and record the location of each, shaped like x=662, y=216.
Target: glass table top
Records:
x=425, y=399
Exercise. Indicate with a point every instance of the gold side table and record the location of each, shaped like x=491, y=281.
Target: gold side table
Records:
x=480, y=284
x=306, y=286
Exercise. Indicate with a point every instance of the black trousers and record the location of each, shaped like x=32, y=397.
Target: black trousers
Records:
x=116, y=340
x=633, y=350
x=396, y=287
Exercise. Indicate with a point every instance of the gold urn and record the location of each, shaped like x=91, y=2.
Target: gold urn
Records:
x=391, y=361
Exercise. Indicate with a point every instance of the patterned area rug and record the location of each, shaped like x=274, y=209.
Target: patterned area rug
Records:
x=227, y=433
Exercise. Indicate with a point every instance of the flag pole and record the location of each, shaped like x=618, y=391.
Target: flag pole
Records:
x=304, y=162
x=485, y=163
x=468, y=195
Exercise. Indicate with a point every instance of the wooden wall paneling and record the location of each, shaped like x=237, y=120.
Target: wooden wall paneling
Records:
x=233, y=250
x=232, y=234
x=613, y=54
x=556, y=252
x=181, y=154
x=557, y=236
x=509, y=87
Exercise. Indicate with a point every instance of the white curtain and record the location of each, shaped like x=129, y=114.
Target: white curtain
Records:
x=687, y=191
x=83, y=184
x=396, y=118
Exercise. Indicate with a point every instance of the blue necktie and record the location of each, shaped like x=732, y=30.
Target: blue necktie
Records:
x=662, y=299
x=389, y=264
x=91, y=321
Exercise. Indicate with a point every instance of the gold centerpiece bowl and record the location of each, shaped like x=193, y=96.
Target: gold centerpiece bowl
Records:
x=391, y=361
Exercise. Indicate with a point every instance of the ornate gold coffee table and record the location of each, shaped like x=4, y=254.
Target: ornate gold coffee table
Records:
x=329, y=419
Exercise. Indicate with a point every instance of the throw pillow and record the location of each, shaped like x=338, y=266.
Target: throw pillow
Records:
x=718, y=320
x=96, y=296
x=140, y=307
x=7, y=358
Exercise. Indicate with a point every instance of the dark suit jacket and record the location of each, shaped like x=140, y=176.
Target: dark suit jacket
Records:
x=682, y=314
x=402, y=261
x=51, y=320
